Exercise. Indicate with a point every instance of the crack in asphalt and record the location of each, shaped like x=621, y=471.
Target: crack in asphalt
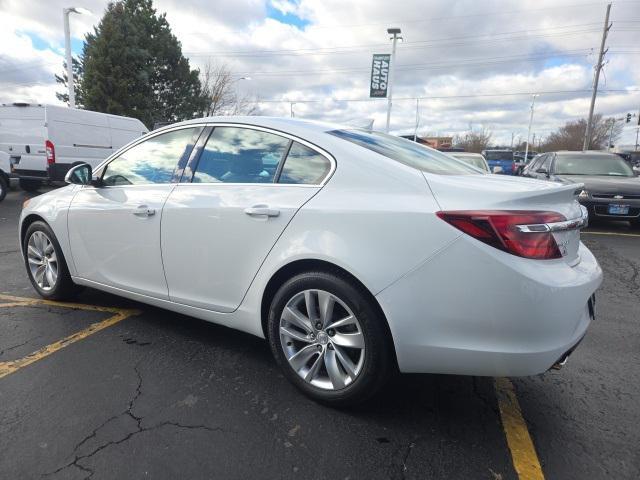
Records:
x=16, y=346
x=405, y=459
x=139, y=429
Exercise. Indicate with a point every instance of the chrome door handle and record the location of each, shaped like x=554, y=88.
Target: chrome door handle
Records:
x=144, y=211
x=261, y=210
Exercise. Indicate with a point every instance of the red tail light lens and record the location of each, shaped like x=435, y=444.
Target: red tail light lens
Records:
x=51, y=152
x=498, y=228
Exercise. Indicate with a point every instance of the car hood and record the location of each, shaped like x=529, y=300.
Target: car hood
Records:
x=604, y=183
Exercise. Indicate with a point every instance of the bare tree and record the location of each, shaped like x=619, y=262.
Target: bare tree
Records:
x=571, y=135
x=220, y=89
x=473, y=141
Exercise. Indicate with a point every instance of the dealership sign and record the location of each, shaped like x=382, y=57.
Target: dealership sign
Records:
x=379, y=75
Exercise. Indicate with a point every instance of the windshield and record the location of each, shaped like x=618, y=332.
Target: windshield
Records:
x=405, y=151
x=498, y=155
x=475, y=160
x=611, y=165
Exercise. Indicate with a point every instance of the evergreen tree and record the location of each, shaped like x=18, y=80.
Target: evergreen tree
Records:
x=133, y=65
x=77, y=75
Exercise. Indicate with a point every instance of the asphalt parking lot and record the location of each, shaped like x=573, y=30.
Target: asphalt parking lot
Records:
x=108, y=388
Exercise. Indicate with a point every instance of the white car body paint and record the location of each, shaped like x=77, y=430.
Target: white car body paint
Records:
x=453, y=304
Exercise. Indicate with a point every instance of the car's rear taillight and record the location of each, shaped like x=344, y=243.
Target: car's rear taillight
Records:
x=499, y=228
x=51, y=152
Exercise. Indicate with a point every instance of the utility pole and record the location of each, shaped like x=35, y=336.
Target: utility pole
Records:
x=415, y=132
x=533, y=104
x=613, y=124
x=67, y=50
x=291, y=105
x=512, y=134
x=596, y=78
x=396, y=34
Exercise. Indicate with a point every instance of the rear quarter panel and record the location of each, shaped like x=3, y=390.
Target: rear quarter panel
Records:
x=374, y=218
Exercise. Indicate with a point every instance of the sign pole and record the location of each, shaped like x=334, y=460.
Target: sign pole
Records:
x=395, y=32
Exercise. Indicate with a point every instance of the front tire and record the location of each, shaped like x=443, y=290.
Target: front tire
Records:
x=329, y=339
x=45, y=263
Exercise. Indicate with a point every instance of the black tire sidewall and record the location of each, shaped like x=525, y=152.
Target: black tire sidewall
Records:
x=4, y=187
x=64, y=284
x=377, y=363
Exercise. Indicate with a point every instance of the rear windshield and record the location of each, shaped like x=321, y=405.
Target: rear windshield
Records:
x=475, y=160
x=407, y=152
x=611, y=165
x=498, y=155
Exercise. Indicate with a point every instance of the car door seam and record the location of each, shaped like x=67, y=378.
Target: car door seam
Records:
x=272, y=247
x=164, y=273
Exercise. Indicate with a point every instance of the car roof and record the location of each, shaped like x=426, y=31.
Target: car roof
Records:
x=583, y=152
x=290, y=125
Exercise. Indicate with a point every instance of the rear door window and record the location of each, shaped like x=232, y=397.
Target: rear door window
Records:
x=240, y=155
x=304, y=166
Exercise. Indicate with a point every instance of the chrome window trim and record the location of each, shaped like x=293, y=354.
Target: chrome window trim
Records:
x=573, y=224
x=306, y=143
x=144, y=138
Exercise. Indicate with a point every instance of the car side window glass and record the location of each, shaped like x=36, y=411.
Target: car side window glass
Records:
x=537, y=162
x=240, y=155
x=304, y=166
x=546, y=162
x=152, y=161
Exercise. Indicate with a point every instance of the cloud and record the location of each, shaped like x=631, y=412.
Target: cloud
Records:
x=466, y=58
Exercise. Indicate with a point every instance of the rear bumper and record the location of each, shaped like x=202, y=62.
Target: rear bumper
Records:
x=474, y=310
x=30, y=174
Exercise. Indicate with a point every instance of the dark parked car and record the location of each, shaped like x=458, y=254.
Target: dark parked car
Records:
x=611, y=188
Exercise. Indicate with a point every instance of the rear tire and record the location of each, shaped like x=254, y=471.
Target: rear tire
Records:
x=4, y=187
x=30, y=185
x=46, y=267
x=340, y=366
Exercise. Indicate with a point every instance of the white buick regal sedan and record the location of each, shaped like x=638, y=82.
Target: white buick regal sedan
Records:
x=353, y=252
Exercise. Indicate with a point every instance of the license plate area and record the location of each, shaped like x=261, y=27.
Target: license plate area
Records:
x=617, y=209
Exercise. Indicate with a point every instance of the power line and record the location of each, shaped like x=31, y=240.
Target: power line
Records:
x=336, y=49
x=444, y=97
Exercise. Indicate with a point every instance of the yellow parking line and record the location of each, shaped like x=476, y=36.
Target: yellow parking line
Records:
x=40, y=301
x=523, y=453
x=9, y=367
x=614, y=234
x=16, y=304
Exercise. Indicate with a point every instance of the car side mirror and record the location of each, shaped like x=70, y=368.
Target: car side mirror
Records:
x=80, y=174
x=543, y=170
x=497, y=169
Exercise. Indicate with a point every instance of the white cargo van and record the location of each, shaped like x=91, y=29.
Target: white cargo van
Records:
x=44, y=141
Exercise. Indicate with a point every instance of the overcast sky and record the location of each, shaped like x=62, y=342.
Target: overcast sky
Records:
x=476, y=61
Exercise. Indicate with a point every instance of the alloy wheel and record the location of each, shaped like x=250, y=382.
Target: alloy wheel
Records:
x=322, y=339
x=43, y=261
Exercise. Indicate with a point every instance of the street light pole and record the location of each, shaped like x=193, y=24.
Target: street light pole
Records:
x=396, y=34
x=67, y=51
x=533, y=104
